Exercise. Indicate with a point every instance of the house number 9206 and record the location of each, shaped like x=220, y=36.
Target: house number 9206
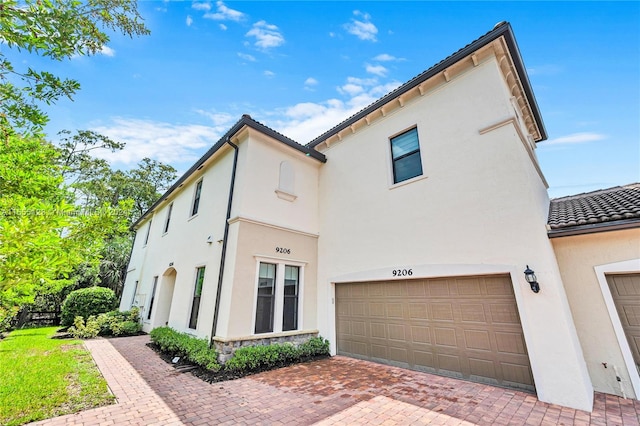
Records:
x=402, y=272
x=283, y=250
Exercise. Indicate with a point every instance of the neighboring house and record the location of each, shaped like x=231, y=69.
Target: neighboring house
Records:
x=596, y=237
x=401, y=235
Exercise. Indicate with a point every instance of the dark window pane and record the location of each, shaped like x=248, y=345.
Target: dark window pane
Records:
x=153, y=296
x=290, y=306
x=196, y=198
x=197, y=293
x=405, y=143
x=266, y=298
x=407, y=167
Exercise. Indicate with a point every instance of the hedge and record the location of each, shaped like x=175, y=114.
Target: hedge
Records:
x=245, y=360
x=86, y=302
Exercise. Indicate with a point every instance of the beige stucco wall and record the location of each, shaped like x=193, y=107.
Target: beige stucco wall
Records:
x=261, y=220
x=578, y=256
x=480, y=205
x=255, y=242
x=183, y=248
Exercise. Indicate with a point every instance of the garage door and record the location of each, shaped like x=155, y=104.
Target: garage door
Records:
x=625, y=290
x=461, y=327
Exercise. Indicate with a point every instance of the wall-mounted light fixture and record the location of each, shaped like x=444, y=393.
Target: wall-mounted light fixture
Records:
x=530, y=276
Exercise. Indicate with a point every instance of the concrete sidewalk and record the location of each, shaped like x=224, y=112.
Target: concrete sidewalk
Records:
x=336, y=391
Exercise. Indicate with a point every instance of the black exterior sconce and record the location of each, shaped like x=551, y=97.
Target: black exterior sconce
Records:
x=530, y=276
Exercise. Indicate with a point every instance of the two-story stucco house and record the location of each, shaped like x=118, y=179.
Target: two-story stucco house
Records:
x=401, y=235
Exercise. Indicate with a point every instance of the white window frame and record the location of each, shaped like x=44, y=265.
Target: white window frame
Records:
x=167, y=219
x=146, y=238
x=193, y=293
x=390, y=162
x=278, y=309
x=193, y=199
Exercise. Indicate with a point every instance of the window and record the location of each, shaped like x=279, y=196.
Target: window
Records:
x=153, y=296
x=166, y=222
x=135, y=291
x=405, y=151
x=197, y=293
x=146, y=238
x=196, y=199
x=266, y=297
x=278, y=297
x=290, y=305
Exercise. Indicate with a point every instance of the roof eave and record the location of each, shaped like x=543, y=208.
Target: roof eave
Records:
x=594, y=228
x=246, y=120
x=501, y=30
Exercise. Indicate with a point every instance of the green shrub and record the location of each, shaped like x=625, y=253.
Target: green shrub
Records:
x=86, y=302
x=120, y=323
x=316, y=346
x=80, y=330
x=193, y=349
x=254, y=358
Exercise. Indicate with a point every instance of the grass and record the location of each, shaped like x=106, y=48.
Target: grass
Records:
x=42, y=377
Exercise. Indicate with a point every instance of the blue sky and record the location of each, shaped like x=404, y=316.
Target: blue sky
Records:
x=301, y=67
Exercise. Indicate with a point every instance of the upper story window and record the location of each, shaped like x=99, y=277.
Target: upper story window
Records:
x=168, y=219
x=146, y=237
x=196, y=199
x=405, y=153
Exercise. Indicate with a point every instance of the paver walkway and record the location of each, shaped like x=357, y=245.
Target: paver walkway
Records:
x=336, y=391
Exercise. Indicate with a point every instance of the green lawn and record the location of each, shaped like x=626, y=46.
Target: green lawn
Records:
x=42, y=377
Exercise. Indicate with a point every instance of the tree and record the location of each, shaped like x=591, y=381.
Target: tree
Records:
x=44, y=237
x=59, y=29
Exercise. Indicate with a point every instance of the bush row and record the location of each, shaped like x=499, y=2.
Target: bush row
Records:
x=183, y=345
x=113, y=323
x=245, y=360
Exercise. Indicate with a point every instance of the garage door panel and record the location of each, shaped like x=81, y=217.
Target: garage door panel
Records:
x=477, y=339
x=468, y=287
x=473, y=312
x=505, y=313
x=481, y=368
x=420, y=334
x=445, y=337
x=459, y=327
x=397, y=332
x=441, y=311
x=510, y=343
x=625, y=290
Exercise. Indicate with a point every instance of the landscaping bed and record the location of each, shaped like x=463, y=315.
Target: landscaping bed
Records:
x=195, y=357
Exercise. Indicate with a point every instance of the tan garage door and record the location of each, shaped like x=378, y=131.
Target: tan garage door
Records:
x=462, y=327
x=625, y=290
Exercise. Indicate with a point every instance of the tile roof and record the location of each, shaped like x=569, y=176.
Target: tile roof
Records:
x=592, y=211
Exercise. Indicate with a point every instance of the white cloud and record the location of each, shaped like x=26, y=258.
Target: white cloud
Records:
x=201, y=6
x=576, y=138
x=269, y=74
x=311, y=82
x=385, y=57
x=378, y=70
x=223, y=13
x=267, y=35
x=169, y=143
x=189, y=21
x=246, y=57
x=223, y=27
x=364, y=29
x=107, y=51
x=351, y=89
x=218, y=118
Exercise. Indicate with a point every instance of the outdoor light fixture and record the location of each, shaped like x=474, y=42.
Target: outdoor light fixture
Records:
x=530, y=276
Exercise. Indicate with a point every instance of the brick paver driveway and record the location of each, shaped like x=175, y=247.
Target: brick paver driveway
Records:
x=336, y=391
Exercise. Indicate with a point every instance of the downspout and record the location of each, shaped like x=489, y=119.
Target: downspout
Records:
x=224, y=241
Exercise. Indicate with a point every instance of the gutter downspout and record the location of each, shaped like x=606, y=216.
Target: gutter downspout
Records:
x=224, y=241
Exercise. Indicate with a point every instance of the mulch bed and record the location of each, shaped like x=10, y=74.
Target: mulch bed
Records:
x=183, y=366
